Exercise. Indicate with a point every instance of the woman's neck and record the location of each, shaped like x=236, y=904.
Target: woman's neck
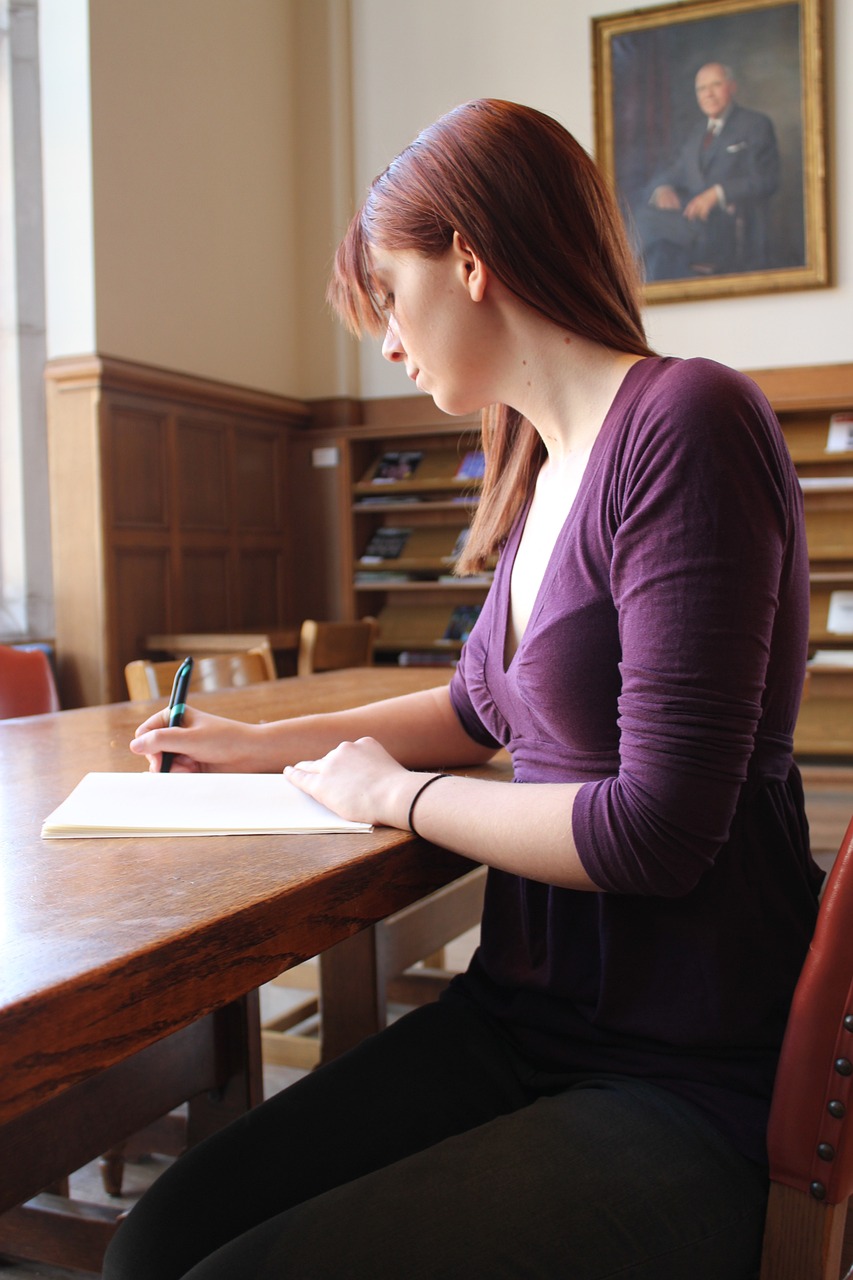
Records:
x=564, y=385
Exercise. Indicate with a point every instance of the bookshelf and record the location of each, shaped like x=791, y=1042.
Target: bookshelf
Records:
x=411, y=499
x=814, y=405
x=414, y=594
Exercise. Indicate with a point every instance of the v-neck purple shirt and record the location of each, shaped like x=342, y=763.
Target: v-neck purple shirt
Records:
x=662, y=666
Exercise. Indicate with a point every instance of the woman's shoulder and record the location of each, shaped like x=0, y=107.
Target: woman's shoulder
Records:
x=679, y=375
x=692, y=394
x=694, y=413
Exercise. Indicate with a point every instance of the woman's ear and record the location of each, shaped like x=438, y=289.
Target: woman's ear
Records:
x=473, y=270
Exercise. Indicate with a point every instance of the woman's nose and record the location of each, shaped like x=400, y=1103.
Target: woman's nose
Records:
x=392, y=348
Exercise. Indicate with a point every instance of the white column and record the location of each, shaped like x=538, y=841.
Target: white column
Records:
x=26, y=599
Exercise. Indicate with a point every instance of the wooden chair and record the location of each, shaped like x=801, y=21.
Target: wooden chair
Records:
x=809, y=1230
x=199, y=643
x=146, y=679
x=27, y=686
x=400, y=959
x=332, y=646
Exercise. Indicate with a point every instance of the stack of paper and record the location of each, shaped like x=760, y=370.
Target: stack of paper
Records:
x=191, y=804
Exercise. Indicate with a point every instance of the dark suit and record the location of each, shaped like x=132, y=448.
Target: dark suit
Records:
x=743, y=159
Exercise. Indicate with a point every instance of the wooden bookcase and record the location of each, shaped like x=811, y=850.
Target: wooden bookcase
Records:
x=342, y=573
x=421, y=510
x=414, y=610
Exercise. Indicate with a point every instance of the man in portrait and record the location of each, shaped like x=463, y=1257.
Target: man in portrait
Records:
x=707, y=212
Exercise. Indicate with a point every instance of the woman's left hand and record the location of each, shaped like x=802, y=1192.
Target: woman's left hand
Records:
x=359, y=781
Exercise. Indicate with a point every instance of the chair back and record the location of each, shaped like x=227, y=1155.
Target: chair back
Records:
x=331, y=646
x=201, y=643
x=810, y=1134
x=211, y=672
x=27, y=686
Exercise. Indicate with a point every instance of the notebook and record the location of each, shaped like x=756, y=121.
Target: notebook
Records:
x=190, y=804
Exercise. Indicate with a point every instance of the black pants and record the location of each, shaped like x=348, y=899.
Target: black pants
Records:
x=431, y=1152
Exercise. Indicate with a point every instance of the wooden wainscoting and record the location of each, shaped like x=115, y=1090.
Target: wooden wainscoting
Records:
x=169, y=513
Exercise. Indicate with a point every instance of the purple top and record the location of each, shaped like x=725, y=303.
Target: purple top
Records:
x=662, y=666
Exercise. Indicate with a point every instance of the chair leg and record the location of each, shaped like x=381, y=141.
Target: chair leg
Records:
x=802, y=1238
x=847, y=1247
x=111, y=1165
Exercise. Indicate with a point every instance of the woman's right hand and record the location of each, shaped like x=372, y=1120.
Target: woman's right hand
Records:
x=204, y=743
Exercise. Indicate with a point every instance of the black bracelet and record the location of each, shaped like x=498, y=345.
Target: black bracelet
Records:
x=416, y=797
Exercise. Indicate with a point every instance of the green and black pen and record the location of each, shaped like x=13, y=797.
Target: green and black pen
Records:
x=177, y=706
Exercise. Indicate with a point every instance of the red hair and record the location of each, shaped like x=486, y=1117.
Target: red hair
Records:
x=530, y=202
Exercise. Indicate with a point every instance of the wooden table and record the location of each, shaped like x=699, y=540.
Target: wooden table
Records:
x=126, y=963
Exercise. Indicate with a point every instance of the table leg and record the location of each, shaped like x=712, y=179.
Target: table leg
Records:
x=215, y=1063
x=352, y=1006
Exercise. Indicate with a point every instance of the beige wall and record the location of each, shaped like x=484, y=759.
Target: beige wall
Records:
x=229, y=139
x=194, y=186
x=413, y=61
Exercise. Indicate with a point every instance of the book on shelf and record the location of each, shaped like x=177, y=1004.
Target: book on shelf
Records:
x=461, y=621
x=472, y=466
x=190, y=804
x=396, y=465
x=385, y=543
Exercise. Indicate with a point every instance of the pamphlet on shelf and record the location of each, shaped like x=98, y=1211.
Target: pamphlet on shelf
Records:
x=397, y=465
x=190, y=804
x=831, y=658
x=387, y=499
x=462, y=619
x=472, y=466
x=386, y=543
x=459, y=545
x=840, y=438
x=839, y=618
x=373, y=577
x=470, y=579
x=828, y=484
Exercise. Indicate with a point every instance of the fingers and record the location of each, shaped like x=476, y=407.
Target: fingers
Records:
x=159, y=720
x=153, y=737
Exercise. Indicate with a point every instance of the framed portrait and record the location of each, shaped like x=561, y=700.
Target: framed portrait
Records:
x=710, y=124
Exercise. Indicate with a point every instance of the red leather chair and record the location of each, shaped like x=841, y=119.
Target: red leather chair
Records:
x=810, y=1138
x=27, y=686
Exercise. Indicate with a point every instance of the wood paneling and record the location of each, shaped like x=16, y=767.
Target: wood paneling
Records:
x=168, y=501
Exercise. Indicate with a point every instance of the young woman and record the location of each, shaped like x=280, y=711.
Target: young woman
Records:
x=589, y=1100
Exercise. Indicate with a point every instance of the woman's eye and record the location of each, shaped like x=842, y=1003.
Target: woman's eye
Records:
x=388, y=302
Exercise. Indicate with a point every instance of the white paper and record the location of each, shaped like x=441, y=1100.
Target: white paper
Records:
x=186, y=804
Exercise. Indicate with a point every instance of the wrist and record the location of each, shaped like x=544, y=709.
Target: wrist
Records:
x=419, y=791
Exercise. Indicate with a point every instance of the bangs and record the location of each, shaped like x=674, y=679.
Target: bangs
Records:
x=353, y=291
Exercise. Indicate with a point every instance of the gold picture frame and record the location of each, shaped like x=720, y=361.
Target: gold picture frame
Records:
x=768, y=232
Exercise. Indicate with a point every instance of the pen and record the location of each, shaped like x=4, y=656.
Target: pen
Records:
x=177, y=706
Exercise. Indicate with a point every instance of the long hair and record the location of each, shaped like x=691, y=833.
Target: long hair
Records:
x=530, y=202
